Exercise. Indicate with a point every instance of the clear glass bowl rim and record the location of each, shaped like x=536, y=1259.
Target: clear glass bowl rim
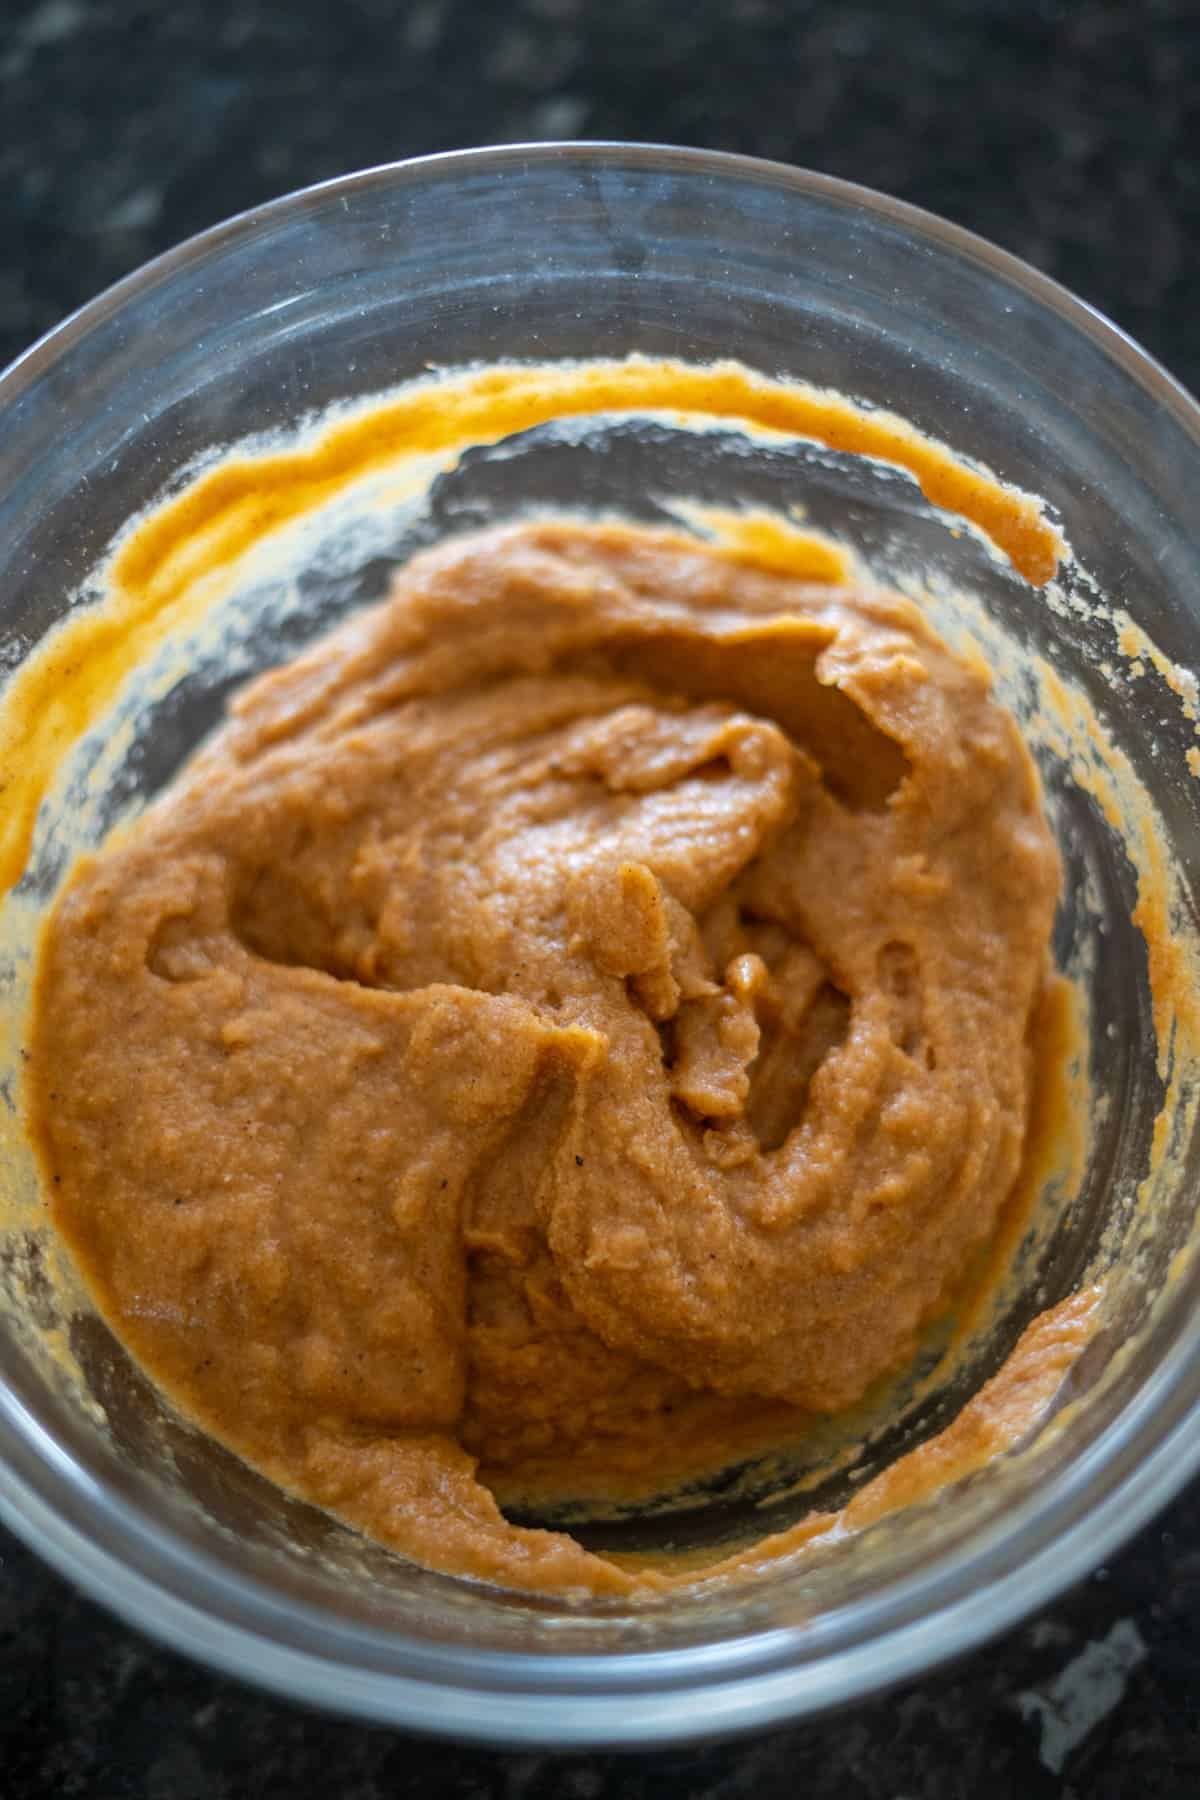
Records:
x=164, y=1586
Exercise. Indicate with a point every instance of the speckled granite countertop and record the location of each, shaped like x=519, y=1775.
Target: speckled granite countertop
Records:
x=1066, y=130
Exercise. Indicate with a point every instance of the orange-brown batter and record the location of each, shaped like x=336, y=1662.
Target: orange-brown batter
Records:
x=583, y=1004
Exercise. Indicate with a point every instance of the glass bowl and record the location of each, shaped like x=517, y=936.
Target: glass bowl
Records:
x=533, y=254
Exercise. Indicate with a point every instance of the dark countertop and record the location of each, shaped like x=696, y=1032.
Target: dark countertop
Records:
x=1066, y=130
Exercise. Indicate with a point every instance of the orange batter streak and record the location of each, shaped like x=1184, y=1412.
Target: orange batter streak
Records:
x=65, y=690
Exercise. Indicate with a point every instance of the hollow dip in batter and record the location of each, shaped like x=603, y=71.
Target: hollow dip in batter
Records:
x=576, y=1017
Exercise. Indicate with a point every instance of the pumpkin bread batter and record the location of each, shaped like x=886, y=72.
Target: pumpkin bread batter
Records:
x=582, y=1006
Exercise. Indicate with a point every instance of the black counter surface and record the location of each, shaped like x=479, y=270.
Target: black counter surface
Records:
x=1068, y=133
